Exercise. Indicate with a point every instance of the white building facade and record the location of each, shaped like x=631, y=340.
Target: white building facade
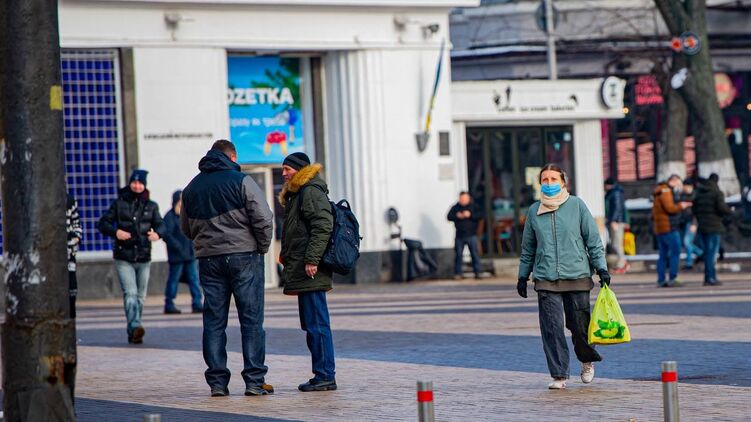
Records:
x=153, y=84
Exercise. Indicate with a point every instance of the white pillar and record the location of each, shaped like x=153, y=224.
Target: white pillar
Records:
x=588, y=165
x=355, y=139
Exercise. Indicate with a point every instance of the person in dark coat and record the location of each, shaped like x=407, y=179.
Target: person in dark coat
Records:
x=615, y=216
x=226, y=215
x=688, y=225
x=75, y=234
x=308, y=224
x=465, y=217
x=181, y=258
x=133, y=220
x=709, y=209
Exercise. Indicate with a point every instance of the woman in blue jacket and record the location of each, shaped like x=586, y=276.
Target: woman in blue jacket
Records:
x=561, y=246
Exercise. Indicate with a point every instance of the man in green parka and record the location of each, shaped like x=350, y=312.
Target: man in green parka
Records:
x=308, y=223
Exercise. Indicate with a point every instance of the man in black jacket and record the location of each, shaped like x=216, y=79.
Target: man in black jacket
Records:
x=226, y=215
x=465, y=217
x=615, y=216
x=709, y=210
x=181, y=258
x=133, y=220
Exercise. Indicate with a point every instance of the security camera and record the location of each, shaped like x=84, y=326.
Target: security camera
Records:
x=432, y=28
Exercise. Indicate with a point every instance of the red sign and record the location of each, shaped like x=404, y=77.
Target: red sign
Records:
x=647, y=90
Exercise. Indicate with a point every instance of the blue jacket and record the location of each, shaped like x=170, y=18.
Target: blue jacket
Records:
x=179, y=247
x=561, y=245
x=615, y=205
x=224, y=211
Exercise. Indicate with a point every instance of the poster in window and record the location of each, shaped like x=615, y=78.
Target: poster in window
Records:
x=265, y=108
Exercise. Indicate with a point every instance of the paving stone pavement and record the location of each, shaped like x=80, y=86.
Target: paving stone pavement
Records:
x=476, y=340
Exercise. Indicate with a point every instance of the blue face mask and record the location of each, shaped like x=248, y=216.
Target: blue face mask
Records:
x=552, y=189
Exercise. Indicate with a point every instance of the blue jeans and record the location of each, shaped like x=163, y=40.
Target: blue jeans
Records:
x=553, y=306
x=691, y=248
x=176, y=271
x=471, y=243
x=669, y=245
x=134, y=280
x=314, y=320
x=242, y=276
x=711, y=244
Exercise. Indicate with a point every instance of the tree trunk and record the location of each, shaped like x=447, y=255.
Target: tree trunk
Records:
x=698, y=91
x=38, y=338
x=671, y=153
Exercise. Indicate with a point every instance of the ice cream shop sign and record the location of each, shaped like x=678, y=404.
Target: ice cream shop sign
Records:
x=264, y=101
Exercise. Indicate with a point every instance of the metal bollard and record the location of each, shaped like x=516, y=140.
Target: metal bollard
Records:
x=425, y=409
x=154, y=417
x=670, y=391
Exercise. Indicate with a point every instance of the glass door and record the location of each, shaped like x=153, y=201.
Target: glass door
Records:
x=503, y=166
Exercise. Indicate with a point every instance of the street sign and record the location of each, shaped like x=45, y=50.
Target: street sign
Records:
x=690, y=42
x=540, y=17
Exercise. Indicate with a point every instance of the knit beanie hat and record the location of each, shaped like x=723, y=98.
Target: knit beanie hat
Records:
x=140, y=175
x=297, y=160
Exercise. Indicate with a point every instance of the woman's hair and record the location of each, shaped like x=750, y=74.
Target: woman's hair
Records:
x=553, y=167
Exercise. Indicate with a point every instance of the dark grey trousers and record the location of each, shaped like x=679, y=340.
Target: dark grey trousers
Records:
x=553, y=307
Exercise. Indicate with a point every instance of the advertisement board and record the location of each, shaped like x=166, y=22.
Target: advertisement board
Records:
x=265, y=108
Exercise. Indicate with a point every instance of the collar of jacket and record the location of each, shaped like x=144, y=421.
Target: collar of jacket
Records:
x=300, y=179
x=130, y=196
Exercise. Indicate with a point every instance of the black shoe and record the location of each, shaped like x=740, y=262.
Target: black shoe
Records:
x=712, y=283
x=259, y=390
x=317, y=385
x=198, y=310
x=172, y=310
x=219, y=392
x=137, y=336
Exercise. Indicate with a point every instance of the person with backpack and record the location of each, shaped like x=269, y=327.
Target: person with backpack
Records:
x=709, y=209
x=561, y=248
x=308, y=227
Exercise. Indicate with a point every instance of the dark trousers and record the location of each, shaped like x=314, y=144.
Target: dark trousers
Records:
x=314, y=320
x=553, y=306
x=178, y=270
x=241, y=276
x=72, y=292
x=669, y=245
x=711, y=242
x=471, y=242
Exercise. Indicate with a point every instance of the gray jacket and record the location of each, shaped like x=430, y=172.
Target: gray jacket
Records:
x=224, y=211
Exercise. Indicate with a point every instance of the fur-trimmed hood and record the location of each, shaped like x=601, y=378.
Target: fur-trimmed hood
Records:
x=304, y=176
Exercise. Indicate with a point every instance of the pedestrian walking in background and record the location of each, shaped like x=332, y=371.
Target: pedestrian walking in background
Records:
x=666, y=214
x=308, y=224
x=615, y=217
x=709, y=209
x=181, y=258
x=465, y=217
x=688, y=225
x=133, y=220
x=75, y=234
x=226, y=215
x=560, y=246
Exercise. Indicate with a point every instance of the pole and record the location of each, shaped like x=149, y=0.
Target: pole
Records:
x=38, y=338
x=550, y=26
x=153, y=417
x=425, y=409
x=670, y=391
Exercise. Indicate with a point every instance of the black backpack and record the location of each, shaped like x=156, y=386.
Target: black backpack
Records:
x=343, y=250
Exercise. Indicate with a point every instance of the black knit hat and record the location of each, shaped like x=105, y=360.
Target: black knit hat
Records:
x=297, y=160
x=139, y=175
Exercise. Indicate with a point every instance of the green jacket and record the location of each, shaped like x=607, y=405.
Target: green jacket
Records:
x=307, y=230
x=561, y=245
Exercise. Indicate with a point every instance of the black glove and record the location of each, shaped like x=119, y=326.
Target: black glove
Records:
x=521, y=287
x=604, y=277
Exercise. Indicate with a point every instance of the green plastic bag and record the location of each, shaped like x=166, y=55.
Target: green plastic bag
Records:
x=607, y=325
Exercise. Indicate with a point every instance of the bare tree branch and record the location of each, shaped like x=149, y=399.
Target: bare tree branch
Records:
x=675, y=16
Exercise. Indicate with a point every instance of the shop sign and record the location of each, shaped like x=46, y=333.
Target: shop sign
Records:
x=265, y=104
x=611, y=92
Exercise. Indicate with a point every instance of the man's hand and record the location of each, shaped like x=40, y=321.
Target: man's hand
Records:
x=153, y=236
x=76, y=240
x=311, y=270
x=692, y=228
x=685, y=205
x=521, y=287
x=122, y=235
x=604, y=277
x=467, y=214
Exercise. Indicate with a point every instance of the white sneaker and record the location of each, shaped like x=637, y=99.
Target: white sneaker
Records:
x=557, y=384
x=588, y=372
